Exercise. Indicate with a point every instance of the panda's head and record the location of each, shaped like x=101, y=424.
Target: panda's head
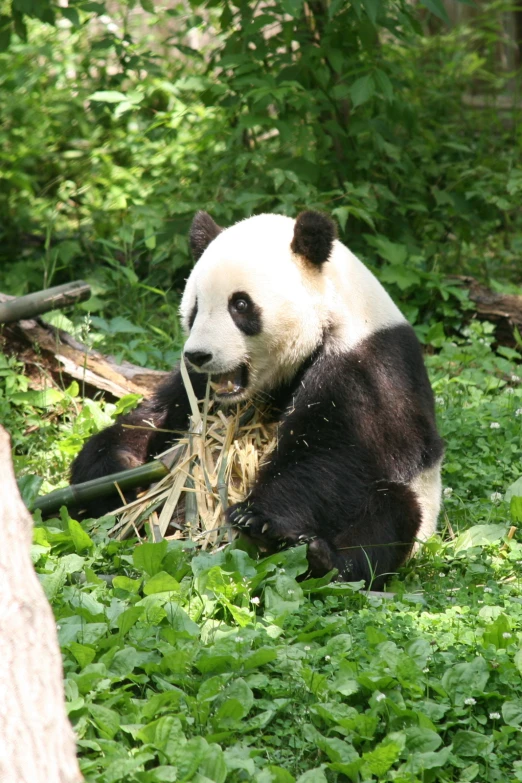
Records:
x=254, y=306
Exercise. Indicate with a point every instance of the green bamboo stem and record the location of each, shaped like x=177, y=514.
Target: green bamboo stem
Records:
x=77, y=494
x=42, y=301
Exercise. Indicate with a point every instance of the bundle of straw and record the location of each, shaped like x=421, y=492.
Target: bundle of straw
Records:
x=213, y=466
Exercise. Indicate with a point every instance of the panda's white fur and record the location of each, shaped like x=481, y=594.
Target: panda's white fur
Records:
x=299, y=302
x=356, y=473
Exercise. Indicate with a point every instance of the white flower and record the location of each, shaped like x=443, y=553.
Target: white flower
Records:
x=518, y=412
x=290, y=592
x=448, y=492
x=488, y=589
x=496, y=497
x=494, y=425
x=104, y=19
x=380, y=697
x=480, y=602
x=112, y=28
x=470, y=702
x=516, y=378
x=439, y=400
x=506, y=635
x=426, y=669
x=255, y=600
x=306, y=649
x=327, y=658
x=494, y=715
x=509, y=390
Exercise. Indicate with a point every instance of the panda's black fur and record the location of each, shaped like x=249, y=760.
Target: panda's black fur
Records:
x=355, y=430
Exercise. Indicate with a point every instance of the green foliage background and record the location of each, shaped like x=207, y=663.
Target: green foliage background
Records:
x=118, y=121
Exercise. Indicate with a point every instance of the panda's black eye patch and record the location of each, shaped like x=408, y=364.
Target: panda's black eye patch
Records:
x=245, y=313
x=193, y=314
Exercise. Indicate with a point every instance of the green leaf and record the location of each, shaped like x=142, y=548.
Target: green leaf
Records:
x=80, y=538
x=518, y=660
x=161, y=583
x=379, y=761
x=479, y=535
x=436, y=7
x=83, y=654
x=179, y=619
x=494, y=633
x=128, y=618
x=512, y=712
x=29, y=487
x=383, y=84
x=5, y=32
x=315, y=775
x=514, y=490
x=127, y=584
x=422, y=740
x=515, y=509
x=372, y=8
x=107, y=96
x=464, y=679
x=107, y=720
x=435, y=335
x=362, y=90
x=148, y=557
x=471, y=743
x=45, y=398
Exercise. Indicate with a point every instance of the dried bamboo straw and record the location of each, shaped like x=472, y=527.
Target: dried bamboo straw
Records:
x=217, y=462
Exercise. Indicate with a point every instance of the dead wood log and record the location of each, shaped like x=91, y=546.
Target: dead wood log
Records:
x=36, y=740
x=86, y=364
x=503, y=309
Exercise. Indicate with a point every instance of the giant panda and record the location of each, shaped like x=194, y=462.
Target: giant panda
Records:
x=279, y=310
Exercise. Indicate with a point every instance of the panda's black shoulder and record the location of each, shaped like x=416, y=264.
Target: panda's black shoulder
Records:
x=374, y=400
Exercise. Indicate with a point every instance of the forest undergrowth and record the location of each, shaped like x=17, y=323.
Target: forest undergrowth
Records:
x=119, y=121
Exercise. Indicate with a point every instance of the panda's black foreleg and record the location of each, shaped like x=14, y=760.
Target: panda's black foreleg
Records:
x=136, y=438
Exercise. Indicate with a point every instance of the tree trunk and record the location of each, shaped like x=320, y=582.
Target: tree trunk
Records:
x=36, y=740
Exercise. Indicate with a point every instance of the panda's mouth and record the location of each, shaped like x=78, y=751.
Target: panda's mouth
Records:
x=230, y=384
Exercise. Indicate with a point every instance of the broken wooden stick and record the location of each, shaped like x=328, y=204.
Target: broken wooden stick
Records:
x=42, y=301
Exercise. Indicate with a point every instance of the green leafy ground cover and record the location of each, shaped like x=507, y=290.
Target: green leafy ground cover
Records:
x=117, y=124
x=191, y=666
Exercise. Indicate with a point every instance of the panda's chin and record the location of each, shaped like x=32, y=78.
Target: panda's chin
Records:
x=231, y=386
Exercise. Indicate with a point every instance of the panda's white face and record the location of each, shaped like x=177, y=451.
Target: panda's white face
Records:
x=253, y=309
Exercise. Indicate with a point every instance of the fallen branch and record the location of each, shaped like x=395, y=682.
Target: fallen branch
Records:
x=42, y=301
x=82, y=363
x=503, y=309
x=37, y=743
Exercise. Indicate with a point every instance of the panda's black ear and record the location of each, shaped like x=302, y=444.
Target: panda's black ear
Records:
x=202, y=231
x=314, y=236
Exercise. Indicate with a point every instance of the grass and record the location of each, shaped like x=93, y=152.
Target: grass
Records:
x=188, y=666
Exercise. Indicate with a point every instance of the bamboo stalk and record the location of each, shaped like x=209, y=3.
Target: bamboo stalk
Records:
x=77, y=494
x=42, y=301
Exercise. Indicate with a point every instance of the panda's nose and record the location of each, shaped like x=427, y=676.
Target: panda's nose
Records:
x=198, y=358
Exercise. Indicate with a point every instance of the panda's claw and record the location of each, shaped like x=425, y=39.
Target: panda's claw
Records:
x=305, y=539
x=264, y=528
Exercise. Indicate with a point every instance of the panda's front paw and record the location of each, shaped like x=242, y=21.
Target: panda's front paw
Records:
x=245, y=518
x=242, y=516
